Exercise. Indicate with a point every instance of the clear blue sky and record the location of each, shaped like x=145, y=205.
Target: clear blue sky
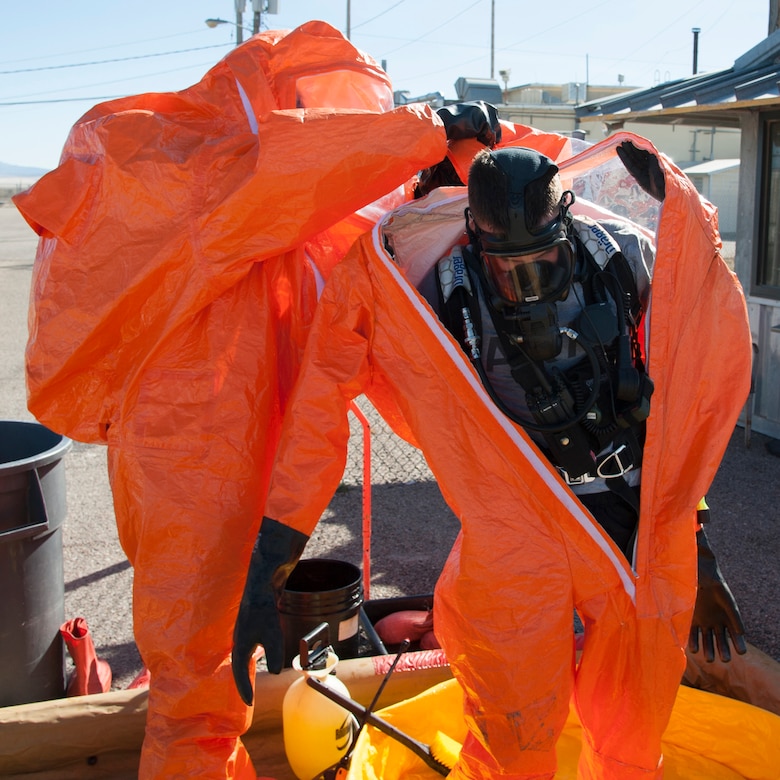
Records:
x=60, y=57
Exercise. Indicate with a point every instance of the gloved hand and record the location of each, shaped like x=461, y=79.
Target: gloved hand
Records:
x=715, y=614
x=274, y=556
x=475, y=119
x=644, y=167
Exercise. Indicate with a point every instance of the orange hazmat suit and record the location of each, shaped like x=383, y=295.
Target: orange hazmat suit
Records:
x=529, y=553
x=172, y=293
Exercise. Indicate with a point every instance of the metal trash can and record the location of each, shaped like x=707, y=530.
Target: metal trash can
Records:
x=32, y=583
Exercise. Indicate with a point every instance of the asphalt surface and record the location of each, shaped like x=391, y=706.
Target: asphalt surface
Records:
x=412, y=528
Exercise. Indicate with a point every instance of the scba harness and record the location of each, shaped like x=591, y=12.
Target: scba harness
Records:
x=591, y=415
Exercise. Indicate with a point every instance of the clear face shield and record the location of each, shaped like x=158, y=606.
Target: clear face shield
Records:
x=536, y=277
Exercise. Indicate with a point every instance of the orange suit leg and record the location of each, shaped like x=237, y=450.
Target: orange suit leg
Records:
x=511, y=647
x=185, y=596
x=188, y=465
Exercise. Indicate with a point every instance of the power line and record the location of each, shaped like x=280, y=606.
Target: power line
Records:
x=113, y=47
x=61, y=100
x=117, y=59
x=438, y=27
x=382, y=13
x=4, y=100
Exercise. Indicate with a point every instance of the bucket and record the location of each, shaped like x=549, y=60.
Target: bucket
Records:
x=32, y=583
x=322, y=590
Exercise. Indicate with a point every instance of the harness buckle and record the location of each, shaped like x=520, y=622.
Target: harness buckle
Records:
x=614, y=459
x=569, y=480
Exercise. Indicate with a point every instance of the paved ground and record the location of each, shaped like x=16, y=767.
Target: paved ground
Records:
x=412, y=527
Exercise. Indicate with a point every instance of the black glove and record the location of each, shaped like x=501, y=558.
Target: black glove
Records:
x=716, y=613
x=274, y=556
x=644, y=167
x=475, y=119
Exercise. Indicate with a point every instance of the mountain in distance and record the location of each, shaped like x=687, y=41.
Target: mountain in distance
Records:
x=7, y=169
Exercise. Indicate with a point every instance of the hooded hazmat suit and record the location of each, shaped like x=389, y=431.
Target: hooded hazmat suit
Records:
x=528, y=552
x=172, y=293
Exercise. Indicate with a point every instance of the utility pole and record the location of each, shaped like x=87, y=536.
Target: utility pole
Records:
x=492, y=35
x=257, y=8
x=240, y=6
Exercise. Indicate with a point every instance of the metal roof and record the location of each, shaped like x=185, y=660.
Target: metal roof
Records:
x=712, y=166
x=752, y=82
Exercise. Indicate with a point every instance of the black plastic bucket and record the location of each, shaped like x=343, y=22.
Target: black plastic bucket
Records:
x=32, y=583
x=322, y=590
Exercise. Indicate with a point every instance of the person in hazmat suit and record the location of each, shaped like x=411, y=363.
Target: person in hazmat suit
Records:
x=183, y=240
x=540, y=276
x=530, y=551
x=506, y=368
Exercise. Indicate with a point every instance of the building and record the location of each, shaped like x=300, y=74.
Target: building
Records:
x=718, y=182
x=553, y=108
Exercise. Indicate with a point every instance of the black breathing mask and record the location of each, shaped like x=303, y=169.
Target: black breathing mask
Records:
x=535, y=329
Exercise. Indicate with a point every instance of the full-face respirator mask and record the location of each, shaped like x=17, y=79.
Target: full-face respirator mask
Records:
x=529, y=268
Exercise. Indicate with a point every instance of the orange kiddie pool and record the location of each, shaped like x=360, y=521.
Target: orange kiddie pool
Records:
x=708, y=736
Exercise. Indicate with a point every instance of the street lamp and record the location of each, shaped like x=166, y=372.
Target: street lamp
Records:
x=239, y=28
x=505, y=74
x=258, y=6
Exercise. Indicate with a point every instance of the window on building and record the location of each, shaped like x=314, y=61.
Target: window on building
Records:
x=768, y=270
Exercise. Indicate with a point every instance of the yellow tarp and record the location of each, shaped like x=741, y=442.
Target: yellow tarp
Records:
x=709, y=737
